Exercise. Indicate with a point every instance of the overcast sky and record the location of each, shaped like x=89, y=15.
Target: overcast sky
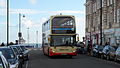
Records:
x=36, y=12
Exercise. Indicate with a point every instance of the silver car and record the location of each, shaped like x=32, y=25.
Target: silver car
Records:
x=10, y=56
x=117, y=57
x=3, y=61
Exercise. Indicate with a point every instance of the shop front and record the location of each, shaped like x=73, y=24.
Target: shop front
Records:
x=117, y=36
x=109, y=36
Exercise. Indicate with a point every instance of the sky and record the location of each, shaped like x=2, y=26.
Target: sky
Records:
x=37, y=12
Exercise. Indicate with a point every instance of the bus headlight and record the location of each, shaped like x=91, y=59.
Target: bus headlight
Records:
x=74, y=51
x=53, y=51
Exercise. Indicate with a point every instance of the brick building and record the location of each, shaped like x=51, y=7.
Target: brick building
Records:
x=110, y=21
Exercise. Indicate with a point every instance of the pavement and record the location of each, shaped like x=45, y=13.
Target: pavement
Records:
x=39, y=60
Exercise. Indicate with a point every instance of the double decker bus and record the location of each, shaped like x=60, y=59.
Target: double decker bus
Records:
x=59, y=36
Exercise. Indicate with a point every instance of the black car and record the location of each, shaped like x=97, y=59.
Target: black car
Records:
x=19, y=56
x=23, y=51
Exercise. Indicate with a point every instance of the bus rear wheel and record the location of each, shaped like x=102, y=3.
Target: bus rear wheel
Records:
x=70, y=56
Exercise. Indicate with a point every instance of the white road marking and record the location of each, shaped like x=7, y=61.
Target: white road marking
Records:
x=40, y=49
x=26, y=64
x=35, y=49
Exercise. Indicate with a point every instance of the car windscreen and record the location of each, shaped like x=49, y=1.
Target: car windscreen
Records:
x=101, y=48
x=8, y=53
x=23, y=48
x=16, y=51
x=19, y=49
x=112, y=49
x=118, y=49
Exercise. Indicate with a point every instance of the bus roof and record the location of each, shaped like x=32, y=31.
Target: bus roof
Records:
x=63, y=34
x=62, y=16
x=51, y=17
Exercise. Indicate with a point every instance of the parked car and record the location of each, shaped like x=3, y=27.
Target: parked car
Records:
x=19, y=56
x=117, y=54
x=23, y=51
x=108, y=52
x=80, y=48
x=111, y=54
x=3, y=62
x=95, y=50
x=100, y=49
x=10, y=56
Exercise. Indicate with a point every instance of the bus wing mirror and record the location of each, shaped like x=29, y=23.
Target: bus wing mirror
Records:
x=49, y=39
x=77, y=38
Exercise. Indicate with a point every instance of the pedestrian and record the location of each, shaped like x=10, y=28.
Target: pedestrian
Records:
x=107, y=44
x=82, y=47
x=2, y=44
x=78, y=47
x=89, y=48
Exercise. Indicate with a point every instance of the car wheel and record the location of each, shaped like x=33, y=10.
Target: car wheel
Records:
x=101, y=56
x=115, y=59
x=70, y=57
x=108, y=57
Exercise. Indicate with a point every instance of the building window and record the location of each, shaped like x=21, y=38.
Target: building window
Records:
x=108, y=2
x=98, y=4
x=102, y=3
x=114, y=16
x=111, y=1
x=118, y=15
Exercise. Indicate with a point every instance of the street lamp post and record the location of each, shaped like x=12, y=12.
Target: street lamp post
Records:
x=7, y=22
x=100, y=22
x=36, y=38
x=20, y=33
x=28, y=35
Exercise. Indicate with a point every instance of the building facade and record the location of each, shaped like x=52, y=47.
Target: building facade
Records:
x=110, y=21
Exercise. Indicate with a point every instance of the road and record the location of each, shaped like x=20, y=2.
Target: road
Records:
x=38, y=60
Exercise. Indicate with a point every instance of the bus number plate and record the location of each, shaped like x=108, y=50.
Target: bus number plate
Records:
x=63, y=54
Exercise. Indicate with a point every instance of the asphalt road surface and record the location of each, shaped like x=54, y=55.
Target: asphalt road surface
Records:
x=38, y=60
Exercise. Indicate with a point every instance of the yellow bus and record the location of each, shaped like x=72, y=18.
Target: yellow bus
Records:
x=59, y=36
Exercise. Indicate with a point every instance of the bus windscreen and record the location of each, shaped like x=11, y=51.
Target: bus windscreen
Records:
x=63, y=40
